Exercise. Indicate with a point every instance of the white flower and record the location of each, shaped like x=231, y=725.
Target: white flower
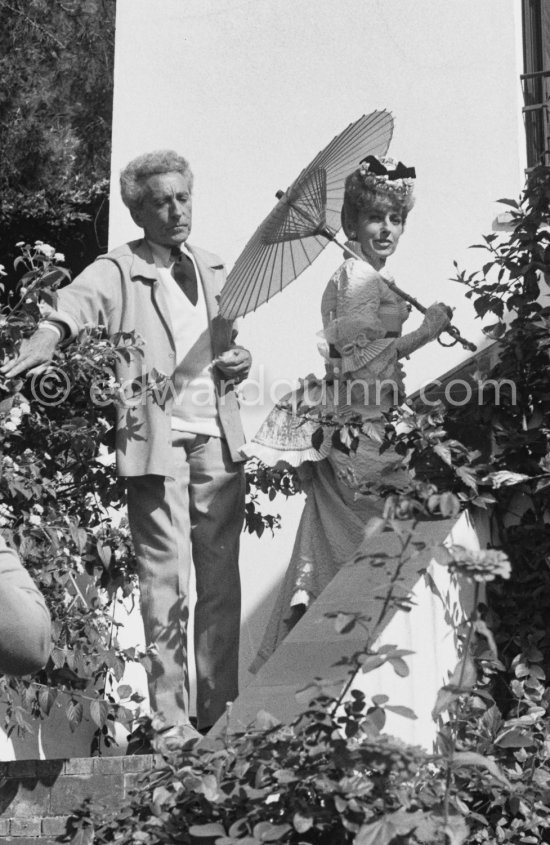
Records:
x=25, y=408
x=45, y=249
x=10, y=426
x=20, y=243
x=34, y=519
x=58, y=256
x=37, y=509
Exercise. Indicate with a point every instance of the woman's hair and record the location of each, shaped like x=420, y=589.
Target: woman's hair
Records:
x=373, y=184
x=133, y=177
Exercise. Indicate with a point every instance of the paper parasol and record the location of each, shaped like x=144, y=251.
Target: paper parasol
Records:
x=295, y=232
x=305, y=219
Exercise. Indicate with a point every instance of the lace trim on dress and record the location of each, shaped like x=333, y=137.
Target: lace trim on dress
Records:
x=286, y=437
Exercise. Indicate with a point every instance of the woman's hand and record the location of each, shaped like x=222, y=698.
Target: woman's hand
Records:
x=437, y=317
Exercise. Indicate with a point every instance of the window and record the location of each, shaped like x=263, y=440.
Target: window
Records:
x=536, y=79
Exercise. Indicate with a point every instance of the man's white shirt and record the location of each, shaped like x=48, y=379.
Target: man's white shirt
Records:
x=194, y=408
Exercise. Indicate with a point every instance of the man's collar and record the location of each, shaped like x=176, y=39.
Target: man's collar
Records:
x=164, y=253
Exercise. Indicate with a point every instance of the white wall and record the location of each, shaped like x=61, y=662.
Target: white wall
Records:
x=250, y=91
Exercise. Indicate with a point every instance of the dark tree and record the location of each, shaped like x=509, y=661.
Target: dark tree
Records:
x=56, y=91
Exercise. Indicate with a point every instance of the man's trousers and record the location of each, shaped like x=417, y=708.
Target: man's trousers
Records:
x=196, y=516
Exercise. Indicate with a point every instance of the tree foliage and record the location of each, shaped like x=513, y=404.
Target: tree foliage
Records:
x=56, y=91
x=59, y=494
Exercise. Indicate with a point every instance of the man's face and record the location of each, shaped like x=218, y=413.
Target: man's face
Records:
x=165, y=213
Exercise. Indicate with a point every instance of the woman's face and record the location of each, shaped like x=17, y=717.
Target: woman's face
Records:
x=378, y=232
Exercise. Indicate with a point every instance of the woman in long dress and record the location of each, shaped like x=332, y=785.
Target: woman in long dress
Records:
x=362, y=320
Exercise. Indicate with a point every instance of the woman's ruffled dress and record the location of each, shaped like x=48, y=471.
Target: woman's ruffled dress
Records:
x=362, y=344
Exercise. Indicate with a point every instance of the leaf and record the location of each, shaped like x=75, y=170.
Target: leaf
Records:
x=464, y=674
x=376, y=717
x=444, y=453
x=74, y=712
x=401, y=710
x=449, y=505
x=345, y=622
x=370, y=662
x=238, y=828
x=514, y=739
x=99, y=709
x=302, y=823
x=212, y=829
x=161, y=794
x=105, y=553
x=242, y=840
x=209, y=788
x=443, y=701
x=442, y=555
x=317, y=438
x=267, y=832
x=471, y=758
x=46, y=698
x=399, y=666
x=376, y=833
x=495, y=330
x=468, y=477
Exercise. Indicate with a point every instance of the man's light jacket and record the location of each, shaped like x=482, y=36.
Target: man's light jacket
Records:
x=122, y=292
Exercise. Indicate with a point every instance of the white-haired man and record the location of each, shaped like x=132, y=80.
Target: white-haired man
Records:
x=179, y=456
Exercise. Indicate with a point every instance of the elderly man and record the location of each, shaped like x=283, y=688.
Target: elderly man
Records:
x=179, y=456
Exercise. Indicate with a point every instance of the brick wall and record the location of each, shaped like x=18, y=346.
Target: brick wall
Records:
x=38, y=796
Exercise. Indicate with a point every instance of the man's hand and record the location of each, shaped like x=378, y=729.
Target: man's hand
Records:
x=35, y=353
x=234, y=363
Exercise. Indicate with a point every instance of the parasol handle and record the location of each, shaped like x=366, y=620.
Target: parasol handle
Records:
x=452, y=330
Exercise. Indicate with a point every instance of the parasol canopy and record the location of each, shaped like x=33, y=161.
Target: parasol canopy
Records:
x=305, y=218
